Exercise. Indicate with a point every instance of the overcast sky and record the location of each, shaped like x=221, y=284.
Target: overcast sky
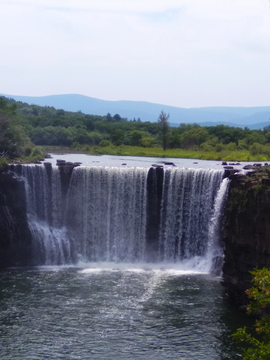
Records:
x=186, y=53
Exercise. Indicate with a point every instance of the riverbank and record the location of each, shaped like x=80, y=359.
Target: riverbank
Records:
x=126, y=150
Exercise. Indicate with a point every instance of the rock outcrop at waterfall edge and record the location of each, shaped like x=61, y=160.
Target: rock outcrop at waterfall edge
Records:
x=15, y=236
x=247, y=230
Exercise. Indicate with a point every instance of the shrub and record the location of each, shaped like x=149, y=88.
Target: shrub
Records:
x=37, y=154
x=260, y=301
x=27, y=151
x=105, y=143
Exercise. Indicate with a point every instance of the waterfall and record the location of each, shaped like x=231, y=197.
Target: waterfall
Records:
x=103, y=214
x=51, y=242
x=215, y=251
x=107, y=209
x=187, y=208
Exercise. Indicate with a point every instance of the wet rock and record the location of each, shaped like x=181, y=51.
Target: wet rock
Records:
x=251, y=173
x=236, y=177
x=229, y=172
x=46, y=163
x=248, y=167
x=246, y=231
x=168, y=163
x=266, y=181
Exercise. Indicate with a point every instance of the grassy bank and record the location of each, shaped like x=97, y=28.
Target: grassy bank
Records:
x=226, y=155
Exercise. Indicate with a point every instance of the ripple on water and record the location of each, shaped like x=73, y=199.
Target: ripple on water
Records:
x=113, y=313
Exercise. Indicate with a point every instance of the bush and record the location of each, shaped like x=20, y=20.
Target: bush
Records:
x=207, y=147
x=256, y=149
x=231, y=146
x=219, y=147
x=105, y=143
x=3, y=163
x=27, y=151
x=260, y=301
x=37, y=154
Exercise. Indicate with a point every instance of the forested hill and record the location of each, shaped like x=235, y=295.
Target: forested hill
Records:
x=252, y=117
x=24, y=126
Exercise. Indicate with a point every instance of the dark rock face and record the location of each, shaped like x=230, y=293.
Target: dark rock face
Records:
x=15, y=236
x=154, y=198
x=247, y=230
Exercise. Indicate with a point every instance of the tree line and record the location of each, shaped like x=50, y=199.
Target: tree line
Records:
x=48, y=126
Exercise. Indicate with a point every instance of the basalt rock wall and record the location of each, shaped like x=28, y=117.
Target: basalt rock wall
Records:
x=15, y=236
x=247, y=230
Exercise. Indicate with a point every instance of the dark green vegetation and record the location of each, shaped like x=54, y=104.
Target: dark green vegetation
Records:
x=259, y=295
x=14, y=135
x=24, y=125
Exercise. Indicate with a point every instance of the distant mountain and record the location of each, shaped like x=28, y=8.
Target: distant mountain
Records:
x=252, y=117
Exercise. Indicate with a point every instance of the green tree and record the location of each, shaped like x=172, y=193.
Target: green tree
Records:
x=164, y=129
x=117, y=137
x=259, y=295
x=194, y=136
x=256, y=148
x=13, y=138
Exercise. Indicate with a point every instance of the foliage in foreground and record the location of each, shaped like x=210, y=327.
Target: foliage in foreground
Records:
x=259, y=295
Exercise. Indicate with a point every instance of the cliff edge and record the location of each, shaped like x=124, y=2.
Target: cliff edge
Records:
x=247, y=229
x=15, y=236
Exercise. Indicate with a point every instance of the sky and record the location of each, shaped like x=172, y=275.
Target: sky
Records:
x=184, y=53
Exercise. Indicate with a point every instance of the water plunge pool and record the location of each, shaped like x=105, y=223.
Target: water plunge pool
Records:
x=113, y=311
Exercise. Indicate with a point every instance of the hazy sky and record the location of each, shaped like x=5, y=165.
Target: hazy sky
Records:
x=186, y=53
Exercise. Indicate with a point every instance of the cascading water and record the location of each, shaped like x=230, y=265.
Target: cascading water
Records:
x=215, y=251
x=186, y=213
x=103, y=216
x=51, y=242
x=107, y=207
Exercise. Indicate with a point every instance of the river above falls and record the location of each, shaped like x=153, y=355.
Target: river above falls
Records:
x=137, y=161
x=111, y=311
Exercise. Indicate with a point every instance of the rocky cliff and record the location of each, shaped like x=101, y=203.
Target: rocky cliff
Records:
x=247, y=229
x=15, y=236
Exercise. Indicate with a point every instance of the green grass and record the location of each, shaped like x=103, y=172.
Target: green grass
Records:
x=225, y=155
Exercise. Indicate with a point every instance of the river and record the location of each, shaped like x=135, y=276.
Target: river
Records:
x=105, y=311
x=118, y=310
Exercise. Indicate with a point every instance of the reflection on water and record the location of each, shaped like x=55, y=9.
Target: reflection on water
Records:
x=109, y=311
